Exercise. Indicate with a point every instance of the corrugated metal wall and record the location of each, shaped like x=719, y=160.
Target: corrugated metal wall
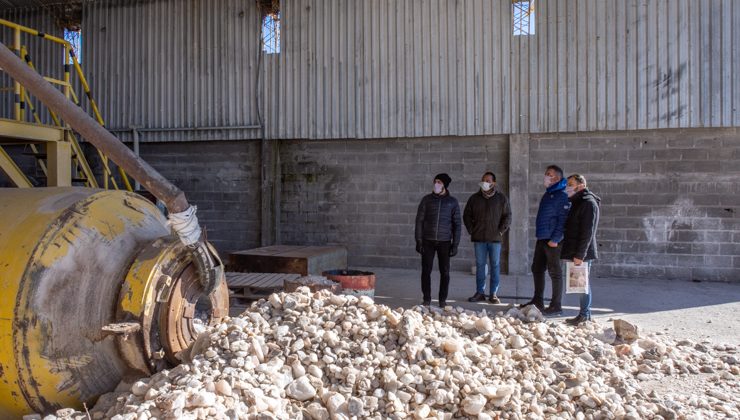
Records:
x=390, y=68
x=410, y=68
x=174, y=64
x=47, y=56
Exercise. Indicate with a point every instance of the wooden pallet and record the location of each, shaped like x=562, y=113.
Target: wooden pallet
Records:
x=289, y=259
x=254, y=286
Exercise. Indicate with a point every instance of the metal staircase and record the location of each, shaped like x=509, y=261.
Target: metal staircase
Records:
x=55, y=147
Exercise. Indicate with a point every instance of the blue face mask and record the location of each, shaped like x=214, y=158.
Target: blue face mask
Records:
x=438, y=188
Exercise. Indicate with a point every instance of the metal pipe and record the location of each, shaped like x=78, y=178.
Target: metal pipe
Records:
x=158, y=129
x=136, y=152
x=91, y=130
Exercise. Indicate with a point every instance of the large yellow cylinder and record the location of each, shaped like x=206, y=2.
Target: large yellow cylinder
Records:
x=64, y=255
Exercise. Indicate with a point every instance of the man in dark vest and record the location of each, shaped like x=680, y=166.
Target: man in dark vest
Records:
x=437, y=232
x=487, y=217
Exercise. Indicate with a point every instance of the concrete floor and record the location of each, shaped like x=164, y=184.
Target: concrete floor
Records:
x=684, y=310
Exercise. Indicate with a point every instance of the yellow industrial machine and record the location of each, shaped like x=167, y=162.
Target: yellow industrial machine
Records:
x=94, y=289
x=97, y=285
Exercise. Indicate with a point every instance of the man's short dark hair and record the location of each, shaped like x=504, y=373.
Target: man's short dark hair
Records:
x=555, y=168
x=580, y=179
x=492, y=175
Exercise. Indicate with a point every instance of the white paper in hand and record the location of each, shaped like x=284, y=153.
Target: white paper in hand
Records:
x=576, y=278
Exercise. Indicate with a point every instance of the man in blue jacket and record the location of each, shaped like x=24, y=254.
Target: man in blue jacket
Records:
x=437, y=231
x=551, y=217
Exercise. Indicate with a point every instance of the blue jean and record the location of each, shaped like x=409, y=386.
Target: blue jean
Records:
x=487, y=252
x=586, y=297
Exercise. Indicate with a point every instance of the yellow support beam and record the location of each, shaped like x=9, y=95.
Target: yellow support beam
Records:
x=22, y=132
x=60, y=164
x=13, y=171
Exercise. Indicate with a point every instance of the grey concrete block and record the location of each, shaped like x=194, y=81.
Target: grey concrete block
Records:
x=641, y=155
x=716, y=274
x=679, y=248
x=690, y=261
x=732, y=249
x=718, y=261
x=703, y=248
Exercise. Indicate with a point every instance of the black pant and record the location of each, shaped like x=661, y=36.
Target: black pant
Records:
x=547, y=258
x=429, y=248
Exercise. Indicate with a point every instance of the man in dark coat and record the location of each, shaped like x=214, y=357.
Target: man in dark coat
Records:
x=579, y=243
x=551, y=216
x=487, y=217
x=437, y=232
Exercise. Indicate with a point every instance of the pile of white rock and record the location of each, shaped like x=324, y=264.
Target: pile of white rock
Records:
x=324, y=356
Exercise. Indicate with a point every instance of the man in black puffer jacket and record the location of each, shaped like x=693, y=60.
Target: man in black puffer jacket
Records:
x=437, y=231
x=579, y=241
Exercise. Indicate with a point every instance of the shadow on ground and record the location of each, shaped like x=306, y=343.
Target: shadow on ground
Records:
x=685, y=309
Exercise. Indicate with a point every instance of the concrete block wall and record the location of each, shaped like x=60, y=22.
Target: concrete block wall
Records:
x=364, y=194
x=670, y=198
x=222, y=178
x=670, y=209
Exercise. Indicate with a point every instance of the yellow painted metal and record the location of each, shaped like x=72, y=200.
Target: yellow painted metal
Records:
x=79, y=157
x=13, y=171
x=59, y=156
x=66, y=71
x=70, y=61
x=63, y=255
x=54, y=81
x=23, y=132
x=137, y=299
x=20, y=28
x=16, y=85
x=36, y=118
x=99, y=118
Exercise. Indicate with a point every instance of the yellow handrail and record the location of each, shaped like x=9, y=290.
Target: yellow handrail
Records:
x=70, y=60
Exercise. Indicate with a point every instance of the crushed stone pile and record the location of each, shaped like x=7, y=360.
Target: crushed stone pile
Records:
x=323, y=356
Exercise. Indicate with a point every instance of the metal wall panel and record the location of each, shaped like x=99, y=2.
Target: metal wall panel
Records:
x=390, y=68
x=185, y=65
x=411, y=68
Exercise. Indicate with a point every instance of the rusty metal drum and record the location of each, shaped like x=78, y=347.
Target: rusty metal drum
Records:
x=354, y=282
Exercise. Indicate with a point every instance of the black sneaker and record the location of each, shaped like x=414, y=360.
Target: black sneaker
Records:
x=494, y=299
x=442, y=304
x=552, y=311
x=580, y=319
x=477, y=297
x=536, y=303
x=426, y=302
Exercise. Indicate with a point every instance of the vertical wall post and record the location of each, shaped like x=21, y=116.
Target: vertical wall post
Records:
x=269, y=184
x=519, y=198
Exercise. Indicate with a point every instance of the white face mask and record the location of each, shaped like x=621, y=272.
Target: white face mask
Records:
x=485, y=186
x=571, y=191
x=548, y=181
x=438, y=188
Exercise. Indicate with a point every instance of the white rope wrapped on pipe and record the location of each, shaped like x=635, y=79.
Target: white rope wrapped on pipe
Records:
x=185, y=224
